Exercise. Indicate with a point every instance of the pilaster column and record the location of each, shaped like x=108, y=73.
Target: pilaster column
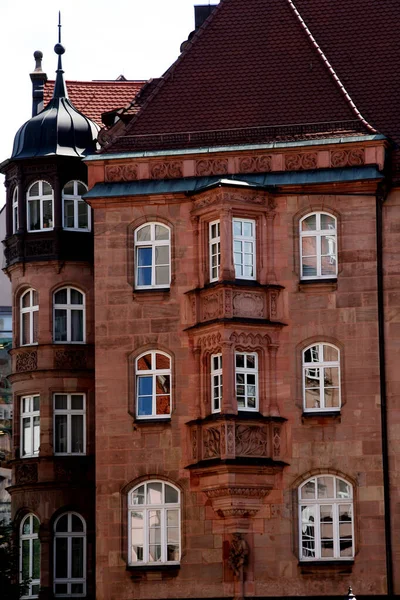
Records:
x=271, y=276
x=229, y=405
x=273, y=401
x=227, y=269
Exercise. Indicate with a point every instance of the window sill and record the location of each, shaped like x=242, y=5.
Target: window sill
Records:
x=153, y=572
x=153, y=567
x=326, y=566
x=329, y=415
x=318, y=285
x=151, y=421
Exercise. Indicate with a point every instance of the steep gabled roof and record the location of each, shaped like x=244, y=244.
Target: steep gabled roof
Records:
x=251, y=65
x=93, y=98
x=360, y=38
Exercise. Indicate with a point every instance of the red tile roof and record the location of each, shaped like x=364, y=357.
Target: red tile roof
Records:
x=360, y=37
x=252, y=67
x=93, y=98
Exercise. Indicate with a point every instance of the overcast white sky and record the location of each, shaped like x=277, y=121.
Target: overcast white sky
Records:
x=103, y=39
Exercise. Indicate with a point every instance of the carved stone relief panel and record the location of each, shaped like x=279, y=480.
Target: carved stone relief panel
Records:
x=255, y=164
x=211, y=442
x=126, y=172
x=249, y=304
x=166, y=170
x=348, y=158
x=26, y=361
x=216, y=166
x=26, y=473
x=70, y=359
x=301, y=161
x=251, y=440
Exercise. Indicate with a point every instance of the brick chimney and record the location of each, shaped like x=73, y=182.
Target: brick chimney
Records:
x=38, y=78
x=201, y=13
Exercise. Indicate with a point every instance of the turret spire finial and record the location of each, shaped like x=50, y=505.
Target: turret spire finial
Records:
x=59, y=86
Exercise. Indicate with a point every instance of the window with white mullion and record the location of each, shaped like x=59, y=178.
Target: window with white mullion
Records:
x=318, y=246
x=15, y=210
x=76, y=213
x=30, y=426
x=246, y=380
x=69, y=316
x=154, y=524
x=216, y=382
x=70, y=556
x=153, y=256
x=153, y=385
x=29, y=318
x=40, y=206
x=215, y=249
x=321, y=378
x=30, y=556
x=69, y=424
x=326, y=520
x=244, y=248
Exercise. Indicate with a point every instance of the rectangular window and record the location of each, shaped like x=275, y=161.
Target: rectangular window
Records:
x=69, y=424
x=215, y=249
x=30, y=426
x=244, y=248
x=216, y=382
x=246, y=376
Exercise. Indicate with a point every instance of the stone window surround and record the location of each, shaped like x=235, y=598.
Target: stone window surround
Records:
x=227, y=341
x=321, y=365
x=69, y=412
x=153, y=373
x=317, y=235
x=224, y=206
x=68, y=307
x=70, y=535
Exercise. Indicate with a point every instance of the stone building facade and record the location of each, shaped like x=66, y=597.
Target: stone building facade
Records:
x=215, y=370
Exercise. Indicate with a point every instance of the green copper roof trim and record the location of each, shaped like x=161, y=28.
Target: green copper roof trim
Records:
x=192, y=185
x=211, y=149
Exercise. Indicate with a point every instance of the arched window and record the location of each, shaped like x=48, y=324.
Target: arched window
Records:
x=318, y=247
x=154, y=524
x=321, y=378
x=40, y=206
x=15, y=223
x=153, y=385
x=326, y=520
x=69, y=315
x=29, y=556
x=70, y=555
x=76, y=213
x=29, y=317
x=152, y=256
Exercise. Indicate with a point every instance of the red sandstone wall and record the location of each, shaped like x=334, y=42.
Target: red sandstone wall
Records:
x=344, y=313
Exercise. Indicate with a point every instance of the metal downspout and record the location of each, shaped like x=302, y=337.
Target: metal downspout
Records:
x=380, y=197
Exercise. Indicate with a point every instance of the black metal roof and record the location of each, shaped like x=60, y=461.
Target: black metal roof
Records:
x=60, y=129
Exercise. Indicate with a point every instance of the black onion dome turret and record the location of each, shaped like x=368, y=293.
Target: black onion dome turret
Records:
x=60, y=129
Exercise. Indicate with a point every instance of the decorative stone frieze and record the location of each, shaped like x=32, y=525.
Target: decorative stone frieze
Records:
x=125, y=172
x=255, y=164
x=166, y=170
x=70, y=359
x=348, y=158
x=301, y=161
x=216, y=166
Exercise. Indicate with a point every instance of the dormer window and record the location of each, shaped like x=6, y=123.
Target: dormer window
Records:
x=40, y=206
x=76, y=213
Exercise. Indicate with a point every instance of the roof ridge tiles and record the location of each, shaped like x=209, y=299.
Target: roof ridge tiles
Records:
x=330, y=68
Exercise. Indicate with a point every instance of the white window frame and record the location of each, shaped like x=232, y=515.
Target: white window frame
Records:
x=70, y=534
x=42, y=198
x=216, y=382
x=153, y=244
x=69, y=413
x=68, y=307
x=243, y=239
x=246, y=371
x=15, y=210
x=146, y=508
x=214, y=249
x=153, y=373
x=30, y=415
x=28, y=537
x=319, y=233
x=321, y=366
x=315, y=505
x=32, y=308
x=75, y=198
